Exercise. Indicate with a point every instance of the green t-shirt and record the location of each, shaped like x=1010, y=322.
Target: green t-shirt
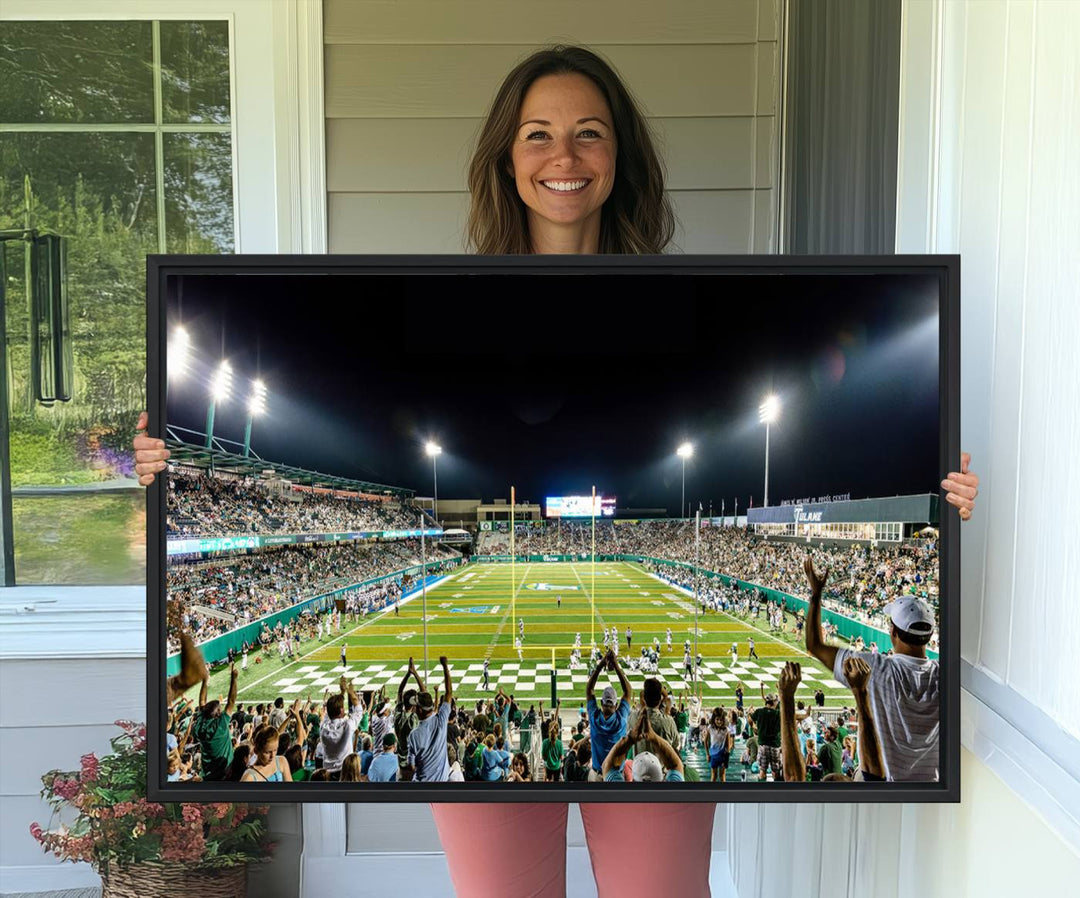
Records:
x=552, y=752
x=405, y=722
x=831, y=754
x=767, y=721
x=682, y=721
x=843, y=734
x=301, y=775
x=215, y=743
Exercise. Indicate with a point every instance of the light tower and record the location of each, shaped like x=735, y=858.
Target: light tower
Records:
x=768, y=412
x=219, y=392
x=256, y=406
x=434, y=450
x=684, y=452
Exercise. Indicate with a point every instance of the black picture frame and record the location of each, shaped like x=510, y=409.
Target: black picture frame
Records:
x=946, y=268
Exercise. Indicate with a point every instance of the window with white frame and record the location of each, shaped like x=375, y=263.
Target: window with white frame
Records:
x=118, y=136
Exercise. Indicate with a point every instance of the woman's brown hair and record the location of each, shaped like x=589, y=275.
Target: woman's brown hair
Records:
x=637, y=216
x=350, y=769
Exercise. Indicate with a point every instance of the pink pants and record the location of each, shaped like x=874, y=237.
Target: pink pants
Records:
x=519, y=850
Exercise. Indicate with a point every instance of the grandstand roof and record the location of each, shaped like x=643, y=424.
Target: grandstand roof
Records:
x=918, y=509
x=218, y=459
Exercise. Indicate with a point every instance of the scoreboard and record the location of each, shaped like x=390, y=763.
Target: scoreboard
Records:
x=579, y=507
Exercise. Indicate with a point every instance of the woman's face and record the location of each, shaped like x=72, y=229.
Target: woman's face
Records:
x=563, y=154
x=267, y=754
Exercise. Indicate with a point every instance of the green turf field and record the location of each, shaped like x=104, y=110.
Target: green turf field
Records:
x=470, y=617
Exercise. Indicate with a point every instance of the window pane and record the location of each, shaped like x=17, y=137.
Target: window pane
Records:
x=76, y=72
x=84, y=539
x=79, y=516
x=195, y=72
x=98, y=191
x=198, y=193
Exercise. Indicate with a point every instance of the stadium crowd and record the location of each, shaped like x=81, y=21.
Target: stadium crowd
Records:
x=866, y=576
x=421, y=735
x=200, y=504
x=221, y=595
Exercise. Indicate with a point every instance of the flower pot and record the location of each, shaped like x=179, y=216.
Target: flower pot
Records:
x=173, y=881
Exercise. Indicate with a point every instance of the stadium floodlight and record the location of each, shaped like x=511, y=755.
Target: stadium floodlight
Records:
x=219, y=392
x=684, y=452
x=434, y=450
x=179, y=353
x=256, y=406
x=768, y=412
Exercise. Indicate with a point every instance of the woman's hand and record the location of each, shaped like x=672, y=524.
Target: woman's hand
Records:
x=962, y=487
x=150, y=453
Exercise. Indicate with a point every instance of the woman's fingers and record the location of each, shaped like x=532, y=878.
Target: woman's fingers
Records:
x=966, y=485
x=960, y=501
x=149, y=456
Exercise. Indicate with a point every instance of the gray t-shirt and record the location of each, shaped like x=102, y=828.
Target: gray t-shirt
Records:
x=662, y=724
x=427, y=748
x=906, y=703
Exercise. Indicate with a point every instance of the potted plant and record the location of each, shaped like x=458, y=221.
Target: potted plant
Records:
x=142, y=848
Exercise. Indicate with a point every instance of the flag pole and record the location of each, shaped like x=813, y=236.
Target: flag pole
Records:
x=592, y=587
x=423, y=581
x=697, y=593
x=513, y=576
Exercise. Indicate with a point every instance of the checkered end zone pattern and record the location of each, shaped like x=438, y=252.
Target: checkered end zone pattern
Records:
x=525, y=677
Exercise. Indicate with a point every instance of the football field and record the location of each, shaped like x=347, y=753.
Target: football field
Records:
x=475, y=613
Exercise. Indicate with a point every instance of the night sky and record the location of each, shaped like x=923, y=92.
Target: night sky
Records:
x=557, y=382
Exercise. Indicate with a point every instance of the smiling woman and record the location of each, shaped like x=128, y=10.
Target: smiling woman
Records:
x=565, y=163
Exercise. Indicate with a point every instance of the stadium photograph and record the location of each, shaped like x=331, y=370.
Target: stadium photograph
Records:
x=572, y=546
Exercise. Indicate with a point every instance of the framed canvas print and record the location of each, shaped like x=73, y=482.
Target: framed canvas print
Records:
x=591, y=528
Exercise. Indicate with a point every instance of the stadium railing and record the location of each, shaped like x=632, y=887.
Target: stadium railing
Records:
x=846, y=627
x=217, y=649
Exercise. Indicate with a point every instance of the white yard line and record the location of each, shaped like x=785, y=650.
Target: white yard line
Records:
x=736, y=620
x=323, y=645
x=515, y=588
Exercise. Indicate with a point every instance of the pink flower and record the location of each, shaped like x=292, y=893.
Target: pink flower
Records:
x=192, y=813
x=151, y=808
x=181, y=842
x=65, y=788
x=36, y=832
x=89, y=768
x=221, y=809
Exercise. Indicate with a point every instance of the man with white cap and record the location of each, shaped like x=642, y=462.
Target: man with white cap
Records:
x=904, y=686
x=607, y=722
x=648, y=767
